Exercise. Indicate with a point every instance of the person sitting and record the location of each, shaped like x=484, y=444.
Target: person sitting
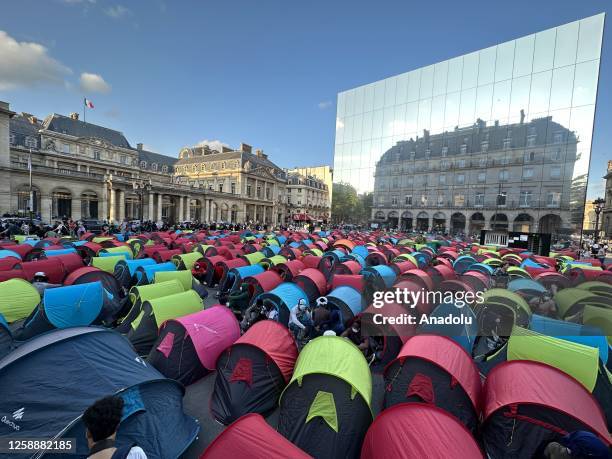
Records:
x=334, y=323
x=300, y=319
x=239, y=301
x=253, y=314
x=354, y=334
x=41, y=283
x=579, y=444
x=544, y=306
x=101, y=422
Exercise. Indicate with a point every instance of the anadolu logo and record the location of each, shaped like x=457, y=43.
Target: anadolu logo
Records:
x=139, y=360
x=18, y=414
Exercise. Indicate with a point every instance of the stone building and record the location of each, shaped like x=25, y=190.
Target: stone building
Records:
x=606, y=215
x=84, y=171
x=307, y=198
x=251, y=188
x=513, y=177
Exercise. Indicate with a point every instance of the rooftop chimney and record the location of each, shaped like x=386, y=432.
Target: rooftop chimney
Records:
x=246, y=148
x=260, y=153
x=139, y=146
x=74, y=116
x=610, y=165
x=522, y=116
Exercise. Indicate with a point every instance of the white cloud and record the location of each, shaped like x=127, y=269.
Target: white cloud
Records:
x=27, y=64
x=324, y=105
x=117, y=11
x=213, y=144
x=92, y=82
x=76, y=2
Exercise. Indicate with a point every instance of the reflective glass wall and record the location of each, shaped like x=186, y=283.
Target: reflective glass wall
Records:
x=498, y=138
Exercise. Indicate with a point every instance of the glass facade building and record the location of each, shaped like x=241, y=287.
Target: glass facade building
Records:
x=497, y=139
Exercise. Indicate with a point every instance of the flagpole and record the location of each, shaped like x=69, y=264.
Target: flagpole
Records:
x=84, y=110
x=31, y=191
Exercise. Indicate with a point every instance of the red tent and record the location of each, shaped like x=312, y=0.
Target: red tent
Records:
x=415, y=431
x=52, y=267
x=251, y=436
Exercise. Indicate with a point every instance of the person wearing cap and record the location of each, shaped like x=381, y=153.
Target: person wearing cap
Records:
x=41, y=283
x=577, y=445
x=300, y=319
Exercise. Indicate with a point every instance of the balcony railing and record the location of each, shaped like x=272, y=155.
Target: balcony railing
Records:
x=57, y=171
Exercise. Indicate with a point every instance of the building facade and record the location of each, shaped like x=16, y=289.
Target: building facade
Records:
x=85, y=171
x=307, y=198
x=606, y=215
x=497, y=139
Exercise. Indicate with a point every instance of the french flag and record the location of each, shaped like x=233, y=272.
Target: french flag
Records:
x=88, y=103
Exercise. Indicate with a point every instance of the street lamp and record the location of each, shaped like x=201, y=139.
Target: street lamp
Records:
x=598, y=205
x=140, y=187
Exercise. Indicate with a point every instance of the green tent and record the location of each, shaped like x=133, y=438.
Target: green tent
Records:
x=186, y=260
x=577, y=360
x=272, y=261
x=597, y=287
x=18, y=298
x=570, y=300
x=507, y=298
x=107, y=263
x=184, y=277
x=253, y=258
x=156, y=290
x=600, y=318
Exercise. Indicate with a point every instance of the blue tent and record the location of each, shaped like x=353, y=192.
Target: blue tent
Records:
x=569, y=331
x=462, y=333
x=9, y=253
x=531, y=264
x=242, y=272
x=383, y=273
x=57, y=252
x=95, y=363
x=481, y=268
x=527, y=286
x=146, y=274
x=463, y=263
x=360, y=250
x=125, y=270
x=285, y=296
x=347, y=300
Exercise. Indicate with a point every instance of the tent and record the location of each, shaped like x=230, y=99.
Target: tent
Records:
x=435, y=370
x=461, y=325
x=312, y=282
x=526, y=287
x=547, y=279
x=251, y=435
x=500, y=311
x=101, y=363
x=187, y=347
x=125, y=270
x=107, y=263
x=598, y=288
x=185, y=278
x=252, y=372
x=6, y=337
x=146, y=274
x=70, y=306
x=262, y=282
x=347, y=300
x=88, y=274
x=238, y=274
x=141, y=293
x=416, y=431
x=529, y=404
x=325, y=408
x=154, y=312
x=289, y=269
x=572, y=300
x=186, y=260
x=284, y=297
x=223, y=268
x=18, y=298
x=204, y=270
x=52, y=267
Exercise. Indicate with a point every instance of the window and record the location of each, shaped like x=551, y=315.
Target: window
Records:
x=31, y=142
x=427, y=153
x=463, y=149
x=482, y=162
x=299, y=190
x=555, y=172
x=461, y=163
x=553, y=199
x=210, y=186
x=505, y=161
x=460, y=179
x=445, y=164
x=529, y=156
x=97, y=155
x=249, y=190
x=259, y=191
x=501, y=198
x=165, y=168
x=504, y=175
x=123, y=159
x=479, y=200
x=444, y=151
x=527, y=173
x=233, y=188
x=531, y=140
x=482, y=177
x=409, y=180
x=220, y=187
x=154, y=167
x=394, y=200
x=442, y=179
x=459, y=200
x=268, y=193
x=143, y=164
x=555, y=155
x=408, y=200
x=65, y=148
x=507, y=143
x=423, y=200
x=440, y=199
x=223, y=165
x=12, y=138
x=395, y=182
x=558, y=137
x=525, y=199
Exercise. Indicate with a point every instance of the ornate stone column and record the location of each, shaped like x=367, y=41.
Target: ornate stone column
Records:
x=150, y=215
x=121, y=209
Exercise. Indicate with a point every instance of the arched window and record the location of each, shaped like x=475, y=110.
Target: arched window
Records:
x=61, y=203
x=89, y=205
x=154, y=167
x=143, y=164
x=164, y=168
x=23, y=199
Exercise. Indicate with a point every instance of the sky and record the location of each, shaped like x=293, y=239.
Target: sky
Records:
x=171, y=74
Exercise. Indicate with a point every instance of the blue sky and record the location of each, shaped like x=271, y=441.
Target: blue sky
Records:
x=175, y=73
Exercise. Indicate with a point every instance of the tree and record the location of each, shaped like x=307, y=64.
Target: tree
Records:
x=348, y=206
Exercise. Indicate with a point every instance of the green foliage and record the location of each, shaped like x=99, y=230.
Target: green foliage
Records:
x=348, y=206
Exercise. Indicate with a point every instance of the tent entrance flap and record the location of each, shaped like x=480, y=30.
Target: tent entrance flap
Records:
x=323, y=406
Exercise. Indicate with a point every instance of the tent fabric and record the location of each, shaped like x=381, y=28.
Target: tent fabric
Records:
x=415, y=431
x=579, y=361
x=176, y=305
x=185, y=278
x=52, y=267
x=276, y=341
x=146, y=274
x=463, y=334
x=102, y=363
x=212, y=331
x=284, y=296
x=497, y=295
x=324, y=407
x=144, y=293
x=18, y=298
x=568, y=297
x=335, y=356
x=526, y=286
x=252, y=433
x=73, y=305
x=526, y=382
x=348, y=296
x=449, y=355
x=107, y=263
